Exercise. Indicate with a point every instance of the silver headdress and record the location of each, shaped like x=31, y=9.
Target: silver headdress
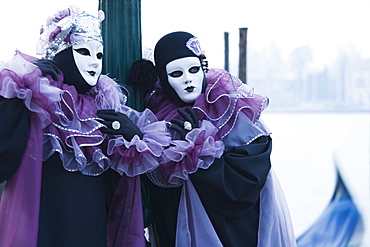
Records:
x=67, y=28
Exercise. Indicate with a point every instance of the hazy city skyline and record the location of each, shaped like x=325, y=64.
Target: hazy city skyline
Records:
x=276, y=32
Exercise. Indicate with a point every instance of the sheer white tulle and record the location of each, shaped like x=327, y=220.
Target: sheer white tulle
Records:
x=275, y=227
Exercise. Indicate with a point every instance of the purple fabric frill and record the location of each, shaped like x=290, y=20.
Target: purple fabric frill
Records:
x=68, y=118
x=75, y=135
x=184, y=157
x=226, y=98
x=19, y=78
x=138, y=156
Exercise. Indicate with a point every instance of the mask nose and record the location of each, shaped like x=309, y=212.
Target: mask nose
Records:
x=95, y=62
x=187, y=78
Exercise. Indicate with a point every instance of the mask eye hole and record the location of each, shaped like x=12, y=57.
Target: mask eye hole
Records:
x=99, y=55
x=176, y=73
x=194, y=69
x=83, y=51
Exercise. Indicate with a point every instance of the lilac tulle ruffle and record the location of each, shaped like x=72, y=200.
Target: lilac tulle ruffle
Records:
x=226, y=103
x=19, y=78
x=138, y=156
x=75, y=134
x=275, y=225
x=68, y=119
x=226, y=98
x=185, y=157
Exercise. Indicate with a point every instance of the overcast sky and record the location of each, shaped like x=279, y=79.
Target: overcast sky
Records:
x=324, y=25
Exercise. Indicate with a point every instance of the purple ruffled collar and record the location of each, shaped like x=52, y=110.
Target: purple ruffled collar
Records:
x=68, y=119
x=225, y=98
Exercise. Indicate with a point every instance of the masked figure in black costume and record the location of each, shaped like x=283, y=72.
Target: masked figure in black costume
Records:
x=68, y=140
x=215, y=187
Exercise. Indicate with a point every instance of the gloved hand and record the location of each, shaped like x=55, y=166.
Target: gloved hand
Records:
x=118, y=124
x=185, y=126
x=48, y=67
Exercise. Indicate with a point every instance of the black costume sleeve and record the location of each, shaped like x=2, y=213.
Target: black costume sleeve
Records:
x=232, y=184
x=229, y=190
x=14, y=132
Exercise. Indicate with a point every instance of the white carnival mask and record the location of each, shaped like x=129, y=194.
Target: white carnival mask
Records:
x=89, y=60
x=185, y=76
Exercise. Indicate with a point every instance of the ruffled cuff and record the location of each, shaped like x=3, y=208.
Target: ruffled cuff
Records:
x=186, y=157
x=138, y=156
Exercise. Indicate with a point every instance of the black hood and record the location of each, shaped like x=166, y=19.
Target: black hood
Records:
x=169, y=48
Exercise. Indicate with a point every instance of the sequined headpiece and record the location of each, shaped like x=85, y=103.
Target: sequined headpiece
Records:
x=67, y=28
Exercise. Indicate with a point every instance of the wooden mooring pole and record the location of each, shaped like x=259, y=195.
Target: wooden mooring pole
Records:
x=243, y=54
x=226, y=41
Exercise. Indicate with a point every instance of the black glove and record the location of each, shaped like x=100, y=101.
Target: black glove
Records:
x=185, y=126
x=118, y=124
x=48, y=67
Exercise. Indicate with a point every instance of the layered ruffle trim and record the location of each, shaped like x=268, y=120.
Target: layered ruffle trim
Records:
x=75, y=135
x=19, y=78
x=139, y=156
x=184, y=157
x=69, y=119
x=245, y=132
x=226, y=98
x=74, y=159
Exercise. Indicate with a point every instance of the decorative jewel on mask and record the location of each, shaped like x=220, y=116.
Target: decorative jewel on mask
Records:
x=193, y=45
x=68, y=27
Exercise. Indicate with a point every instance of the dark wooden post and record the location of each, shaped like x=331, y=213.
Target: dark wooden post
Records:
x=122, y=43
x=2, y=188
x=226, y=38
x=243, y=54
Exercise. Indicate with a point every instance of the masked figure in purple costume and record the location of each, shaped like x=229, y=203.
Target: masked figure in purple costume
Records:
x=68, y=141
x=215, y=186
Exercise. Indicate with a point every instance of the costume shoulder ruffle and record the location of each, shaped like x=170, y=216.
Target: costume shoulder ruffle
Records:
x=226, y=98
x=70, y=125
x=184, y=157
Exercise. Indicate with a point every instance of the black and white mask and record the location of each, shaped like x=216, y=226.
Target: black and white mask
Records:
x=186, y=76
x=81, y=65
x=89, y=60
